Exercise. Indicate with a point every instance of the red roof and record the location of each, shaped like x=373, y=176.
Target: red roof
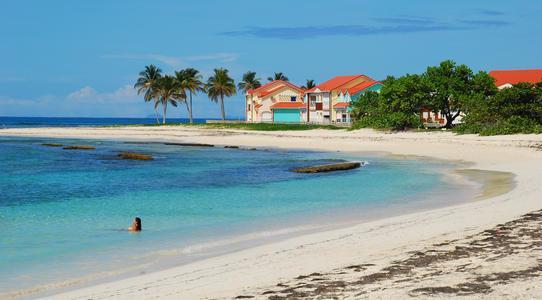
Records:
x=503, y=77
x=362, y=86
x=341, y=105
x=273, y=86
x=335, y=82
x=288, y=105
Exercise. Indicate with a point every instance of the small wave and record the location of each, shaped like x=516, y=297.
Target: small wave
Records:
x=210, y=245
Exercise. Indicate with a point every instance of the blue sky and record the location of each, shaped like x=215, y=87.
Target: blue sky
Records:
x=81, y=58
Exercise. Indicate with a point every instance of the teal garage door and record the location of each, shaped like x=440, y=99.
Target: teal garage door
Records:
x=286, y=116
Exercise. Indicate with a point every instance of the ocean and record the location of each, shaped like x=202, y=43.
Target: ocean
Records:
x=29, y=122
x=63, y=213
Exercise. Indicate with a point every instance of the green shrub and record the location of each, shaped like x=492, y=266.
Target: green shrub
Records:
x=512, y=125
x=393, y=120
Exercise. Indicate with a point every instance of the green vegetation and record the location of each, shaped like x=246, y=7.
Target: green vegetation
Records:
x=278, y=76
x=220, y=85
x=168, y=90
x=190, y=80
x=146, y=84
x=396, y=106
x=164, y=90
x=250, y=82
x=453, y=90
x=309, y=84
x=513, y=110
x=266, y=126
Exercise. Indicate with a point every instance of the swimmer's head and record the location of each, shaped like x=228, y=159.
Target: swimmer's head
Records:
x=137, y=224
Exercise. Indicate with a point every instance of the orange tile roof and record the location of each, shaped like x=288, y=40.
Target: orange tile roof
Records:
x=288, y=105
x=503, y=77
x=273, y=86
x=341, y=105
x=335, y=82
x=360, y=87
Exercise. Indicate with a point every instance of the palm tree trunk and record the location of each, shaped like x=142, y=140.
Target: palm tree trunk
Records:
x=252, y=108
x=164, y=105
x=222, y=107
x=156, y=113
x=190, y=111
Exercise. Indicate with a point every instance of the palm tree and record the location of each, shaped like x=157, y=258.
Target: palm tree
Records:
x=309, y=85
x=169, y=91
x=250, y=82
x=146, y=83
x=190, y=80
x=220, y=85
x=278, y=76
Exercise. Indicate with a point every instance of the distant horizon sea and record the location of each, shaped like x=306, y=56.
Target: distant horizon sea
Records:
x=33, y=122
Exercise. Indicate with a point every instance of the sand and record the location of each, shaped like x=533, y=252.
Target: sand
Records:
x=456, y=250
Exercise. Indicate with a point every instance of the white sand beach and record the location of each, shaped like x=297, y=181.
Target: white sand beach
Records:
x=342, y=263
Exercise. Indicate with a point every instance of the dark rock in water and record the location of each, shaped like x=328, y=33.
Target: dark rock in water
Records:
x=79, y=147
x=51, y=145
x=329, y=167
x=135, y=156
x=232, y=147
x=189, y=144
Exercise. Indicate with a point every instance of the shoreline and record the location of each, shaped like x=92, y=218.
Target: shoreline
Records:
x=504, y=154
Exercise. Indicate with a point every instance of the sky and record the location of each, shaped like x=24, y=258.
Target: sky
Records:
x=81, y=58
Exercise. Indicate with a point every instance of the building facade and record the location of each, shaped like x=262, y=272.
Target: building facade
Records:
x=278, y=101
x=329, y=102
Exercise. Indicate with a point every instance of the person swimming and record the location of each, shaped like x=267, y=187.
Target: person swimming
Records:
x=136, y=225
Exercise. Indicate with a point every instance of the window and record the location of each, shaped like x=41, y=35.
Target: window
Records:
x=293, y=99
x=313, y=100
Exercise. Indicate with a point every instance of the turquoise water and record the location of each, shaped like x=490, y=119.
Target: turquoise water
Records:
x=62, y=212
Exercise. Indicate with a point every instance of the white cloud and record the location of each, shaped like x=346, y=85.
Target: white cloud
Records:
x=121, y=102
x=224, y=57
x=84, y=93
x=12, y=101
x=168, y=60
x=176, y=61
x=87, y=94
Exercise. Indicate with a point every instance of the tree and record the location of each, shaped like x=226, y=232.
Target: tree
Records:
x=169, y=91
x=147, y=82
x=308, y=85
x=220, y=85
x=250, y=82
x=396, y=106
x=406, y=94
x=517, y=109
x=452, y=86
x=190, y=80
x=278, y=76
